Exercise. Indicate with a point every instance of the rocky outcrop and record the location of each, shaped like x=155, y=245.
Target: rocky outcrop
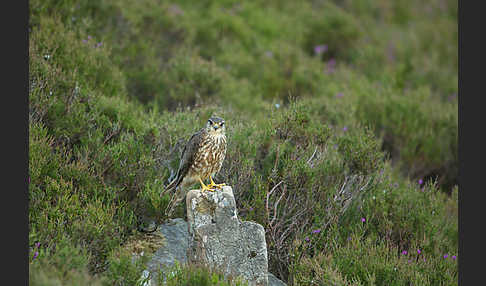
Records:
x=214, y=236
x=220, y=240
x=175, y=245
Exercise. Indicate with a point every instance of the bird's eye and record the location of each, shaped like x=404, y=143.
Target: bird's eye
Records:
x=210, y=122
x=222, y=123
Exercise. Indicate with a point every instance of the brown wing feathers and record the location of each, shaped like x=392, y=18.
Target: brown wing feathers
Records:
x=187, y=159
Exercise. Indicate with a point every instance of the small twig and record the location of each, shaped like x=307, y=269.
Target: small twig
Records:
x=74, y=93
x=311, y=157
x=268, y=198
x=276, y=205
x=112, y=134
x=276, y=159
x=107, y=168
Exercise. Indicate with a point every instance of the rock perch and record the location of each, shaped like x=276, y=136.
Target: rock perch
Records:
x=218, y=239
x=213, y=236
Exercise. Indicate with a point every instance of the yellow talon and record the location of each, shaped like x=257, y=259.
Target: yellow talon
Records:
x=213, y=184
x=204, y=187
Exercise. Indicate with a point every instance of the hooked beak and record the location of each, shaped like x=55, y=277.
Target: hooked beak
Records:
x=215, y=127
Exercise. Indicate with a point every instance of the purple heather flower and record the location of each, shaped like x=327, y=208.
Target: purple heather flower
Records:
x=35, y=255
x=251, y=208
x=446, y=255
x=345, y=128
x=420, y=181
x=37, y=244
x=331, y=64
x=99, y=44
x=340, y=94
x=363, y=219
x=349, y=238
x=89, y=37
x=175, y=10
x=404, y=252
x=454, y=257
x=85, y=41
x=424, y=259
x=319, y=49
x=395, y=185
x=316, y=231
x=410, y=261
x=418, y=251
x=307, y=239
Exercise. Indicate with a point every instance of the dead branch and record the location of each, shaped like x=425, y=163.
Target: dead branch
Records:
x=311, y=157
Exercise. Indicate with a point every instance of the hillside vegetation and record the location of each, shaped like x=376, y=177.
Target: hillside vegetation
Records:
x=316, y=95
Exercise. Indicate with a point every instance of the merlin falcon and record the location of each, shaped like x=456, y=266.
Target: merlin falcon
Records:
x=202, y=158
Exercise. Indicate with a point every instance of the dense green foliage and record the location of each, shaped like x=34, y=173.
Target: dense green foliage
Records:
x=315, y=94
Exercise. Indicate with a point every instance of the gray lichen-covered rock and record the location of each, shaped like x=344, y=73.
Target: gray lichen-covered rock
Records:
x=239, y=245
x=274, y=281
x=176, y=243
x=220, y=240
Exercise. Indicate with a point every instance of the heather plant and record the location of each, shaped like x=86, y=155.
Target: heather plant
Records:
x=125, y=268
x=195, y=275
x=406, y=125
x=335, y=29
x=366, y=247
x=178, y=51
x=342, y=133
x=67, y=264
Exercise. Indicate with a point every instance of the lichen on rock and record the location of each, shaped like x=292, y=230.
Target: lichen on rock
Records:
x=220, y=240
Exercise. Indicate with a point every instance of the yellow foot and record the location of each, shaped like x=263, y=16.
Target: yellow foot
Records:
x=213, y=184
x=204, y=187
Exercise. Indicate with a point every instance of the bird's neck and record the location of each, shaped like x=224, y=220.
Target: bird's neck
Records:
x=219, y=137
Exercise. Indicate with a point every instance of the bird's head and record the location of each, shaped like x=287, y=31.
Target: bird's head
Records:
x=216, y=126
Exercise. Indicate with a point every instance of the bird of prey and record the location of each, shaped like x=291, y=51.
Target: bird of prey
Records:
x=202, y=158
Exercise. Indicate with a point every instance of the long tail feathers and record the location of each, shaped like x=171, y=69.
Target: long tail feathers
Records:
x=172, y=187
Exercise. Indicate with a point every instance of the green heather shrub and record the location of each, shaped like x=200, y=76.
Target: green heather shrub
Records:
x=145, y=36
x=287, y=71
x=220, y=27
x=80, y=140
x=64, y=200
x=196, y=275
x=365, y=262
x=422, y=137
x=191, y=80
x=124, y=269
x=396, y=235
x=404, y=123
x=414, y=44
x=335, y=28
x=73, y=55
x=63, y=264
